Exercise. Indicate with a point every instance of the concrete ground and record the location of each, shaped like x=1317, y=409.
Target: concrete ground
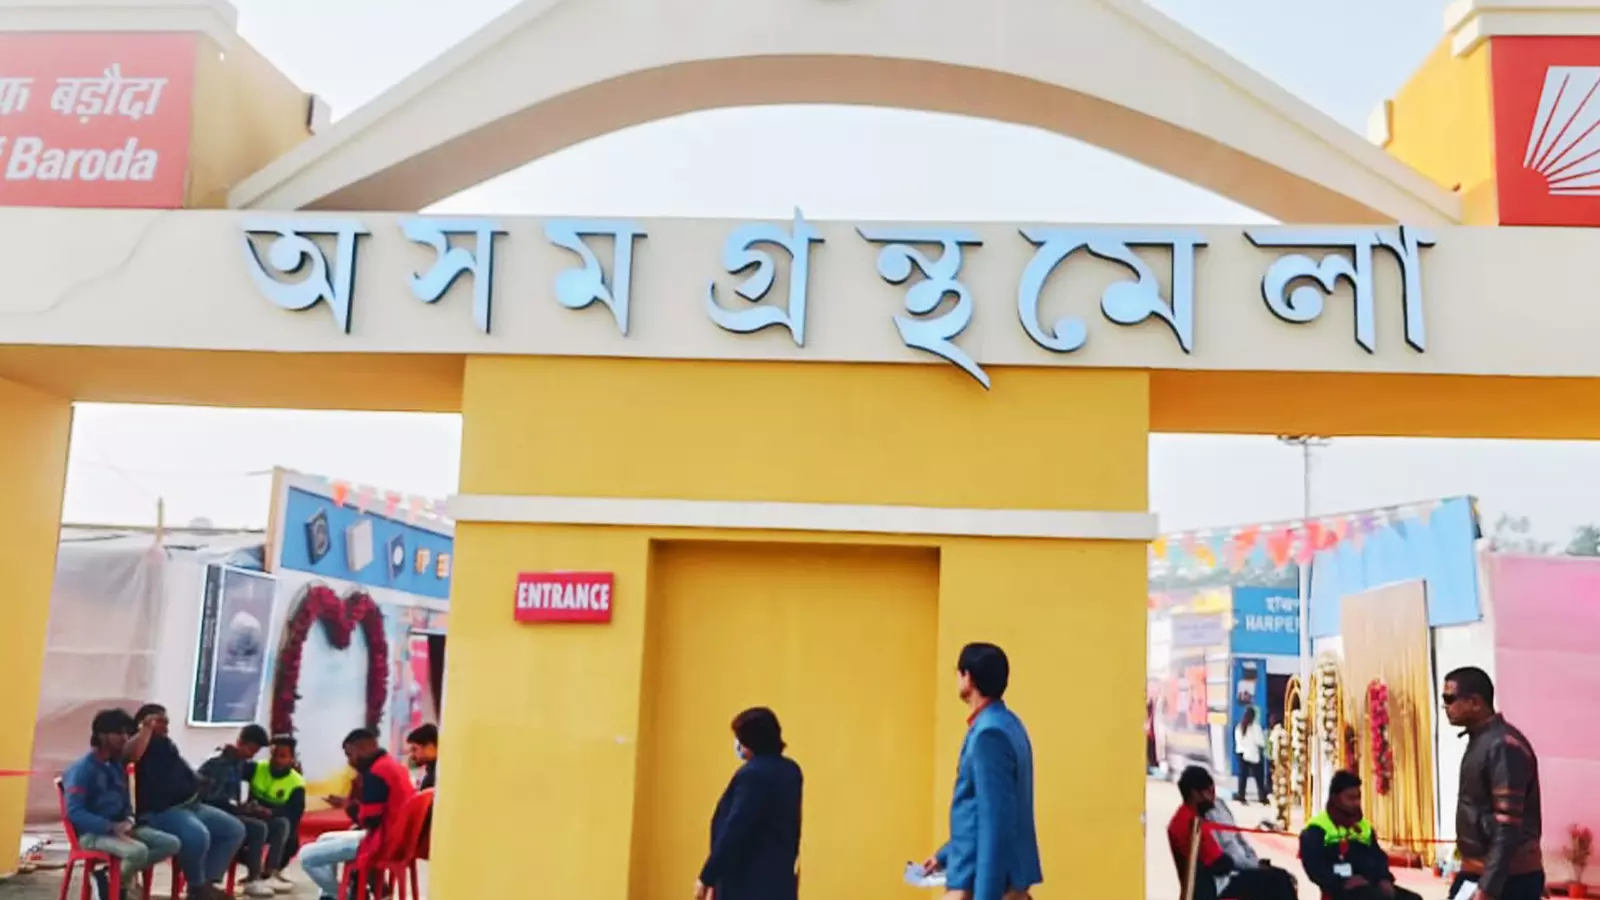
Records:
x=1161, y=880
x=44, y=883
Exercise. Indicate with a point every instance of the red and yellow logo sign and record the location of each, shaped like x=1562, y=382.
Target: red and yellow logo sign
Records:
x=1547, y=129
x=96, y=120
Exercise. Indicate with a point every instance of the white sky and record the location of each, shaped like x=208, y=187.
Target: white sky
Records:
x=834, y=162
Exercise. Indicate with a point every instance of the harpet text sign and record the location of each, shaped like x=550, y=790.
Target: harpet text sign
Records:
x=95, y=119
x=564, y=597
x=302, y=262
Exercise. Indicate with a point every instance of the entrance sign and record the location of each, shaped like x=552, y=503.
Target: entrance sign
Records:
x=95, y=119
x=564, y=597
x=1293, y=287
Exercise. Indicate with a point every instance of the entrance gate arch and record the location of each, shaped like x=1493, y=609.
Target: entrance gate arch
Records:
x=814, y=523
x=1115, y=73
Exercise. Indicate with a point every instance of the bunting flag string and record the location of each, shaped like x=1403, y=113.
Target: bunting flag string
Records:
x=364, y=497
x=1298, y=541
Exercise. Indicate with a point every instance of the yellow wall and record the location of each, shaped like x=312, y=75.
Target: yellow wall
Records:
x=246, y=114
x=617, y=736
x=1442, y=125
x=33, y=468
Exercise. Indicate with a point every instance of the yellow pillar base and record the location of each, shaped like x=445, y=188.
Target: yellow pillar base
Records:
x=33, y=470
x=593, y=756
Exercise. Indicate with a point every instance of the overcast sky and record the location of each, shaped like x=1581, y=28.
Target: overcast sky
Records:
x=1344, y=57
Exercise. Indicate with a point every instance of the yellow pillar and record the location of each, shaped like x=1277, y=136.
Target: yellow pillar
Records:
x=592, y=756
x=33, y=469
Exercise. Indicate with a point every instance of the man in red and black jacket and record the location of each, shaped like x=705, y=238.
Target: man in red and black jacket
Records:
x=381, y=790
x=1217, y=875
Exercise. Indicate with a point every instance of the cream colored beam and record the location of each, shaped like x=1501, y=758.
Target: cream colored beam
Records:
x=1114, y=73
x=831, y=517
x=217, y=19
x=1510, y=301
x=1471, y=22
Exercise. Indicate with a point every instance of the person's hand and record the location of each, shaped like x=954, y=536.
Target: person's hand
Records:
x=122, y=829
x=930, y=865
x=1355, y=881
x=336, y=802
x=701, y=892
x=1387, y=888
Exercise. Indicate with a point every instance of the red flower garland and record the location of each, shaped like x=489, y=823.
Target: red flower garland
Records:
x=339, y=617
x=1382, y=751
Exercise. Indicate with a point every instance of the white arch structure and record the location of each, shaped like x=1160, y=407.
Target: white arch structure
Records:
x=1114, y=73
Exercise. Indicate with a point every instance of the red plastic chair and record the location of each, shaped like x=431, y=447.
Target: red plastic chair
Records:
x=396, y=861
x=89, y=858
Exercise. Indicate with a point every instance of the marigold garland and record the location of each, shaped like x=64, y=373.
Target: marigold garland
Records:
x=1381, y=749
x=339, y=617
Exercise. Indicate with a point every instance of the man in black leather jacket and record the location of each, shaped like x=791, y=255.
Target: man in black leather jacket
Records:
x=1497, y=811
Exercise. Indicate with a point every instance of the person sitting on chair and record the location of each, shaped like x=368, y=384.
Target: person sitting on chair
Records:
x=167, y=795
x=100, y=810
x=278, y=787
x=383, y=789
x=222, y=778
x=1217, y=873
x=1340, y=851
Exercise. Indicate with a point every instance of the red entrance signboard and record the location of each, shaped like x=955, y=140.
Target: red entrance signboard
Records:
x=1547, y=129
x=95, y=119
x=564, y=597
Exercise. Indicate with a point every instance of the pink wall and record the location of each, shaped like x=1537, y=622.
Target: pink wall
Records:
x=1547, y=661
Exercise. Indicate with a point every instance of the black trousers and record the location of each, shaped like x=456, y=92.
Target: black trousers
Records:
x=1518, y=887
x=1260, y=884
x=1249, y=770
x=1373, y=892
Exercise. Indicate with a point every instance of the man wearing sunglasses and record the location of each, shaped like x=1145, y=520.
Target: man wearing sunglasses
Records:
x=1497, y=809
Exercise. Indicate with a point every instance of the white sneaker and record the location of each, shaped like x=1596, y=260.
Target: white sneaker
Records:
x=281, y=884
x=259, y=888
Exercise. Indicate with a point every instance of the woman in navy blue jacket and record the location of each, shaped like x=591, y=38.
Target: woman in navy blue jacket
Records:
x=755, y=833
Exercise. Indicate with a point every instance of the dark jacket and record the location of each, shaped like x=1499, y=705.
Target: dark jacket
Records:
x=1323, y=845
x=162, y=779
x=222, y=779
x=1498, y=814
x=755, y=833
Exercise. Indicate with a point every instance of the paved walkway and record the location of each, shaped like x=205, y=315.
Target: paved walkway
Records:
x=1161, y=881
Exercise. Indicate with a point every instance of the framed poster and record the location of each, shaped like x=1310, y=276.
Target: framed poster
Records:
x=231, y=653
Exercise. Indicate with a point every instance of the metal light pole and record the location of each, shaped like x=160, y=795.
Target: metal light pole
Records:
x=1306, y=443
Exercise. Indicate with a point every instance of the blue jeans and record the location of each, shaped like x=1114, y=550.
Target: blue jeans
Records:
x=210, y=840
x=322, y=857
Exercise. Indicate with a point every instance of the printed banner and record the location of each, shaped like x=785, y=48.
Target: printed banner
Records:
x=95, y=120
x=231, y=664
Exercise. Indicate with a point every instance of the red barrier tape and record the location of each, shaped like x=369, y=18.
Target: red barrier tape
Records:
x=1269, y=831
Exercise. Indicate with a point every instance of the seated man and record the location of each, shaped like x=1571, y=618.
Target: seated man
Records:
x=422, y=752
x=99, y=808
x=1340, y=851
x=383, y=787
x=278, y=787
x=167, y=795
x=1217, y=874
x=222, y=780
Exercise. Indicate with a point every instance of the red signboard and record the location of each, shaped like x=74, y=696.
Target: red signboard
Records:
x=95, y=119
x=1547, y=129
x=564, y=597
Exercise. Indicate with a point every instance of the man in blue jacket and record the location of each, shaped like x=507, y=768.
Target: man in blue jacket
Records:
x=100, y=810
x=993, y=853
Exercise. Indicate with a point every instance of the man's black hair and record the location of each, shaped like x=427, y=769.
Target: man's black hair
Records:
x=110, y=721
x=1194, y=780
x=254, y=734
x=426, y=735
x=759, y=732
x=358, y=735
x=285, y=740
x=1342, y=780
x=988, y=668
x=1472, y=681
x=149, y=709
